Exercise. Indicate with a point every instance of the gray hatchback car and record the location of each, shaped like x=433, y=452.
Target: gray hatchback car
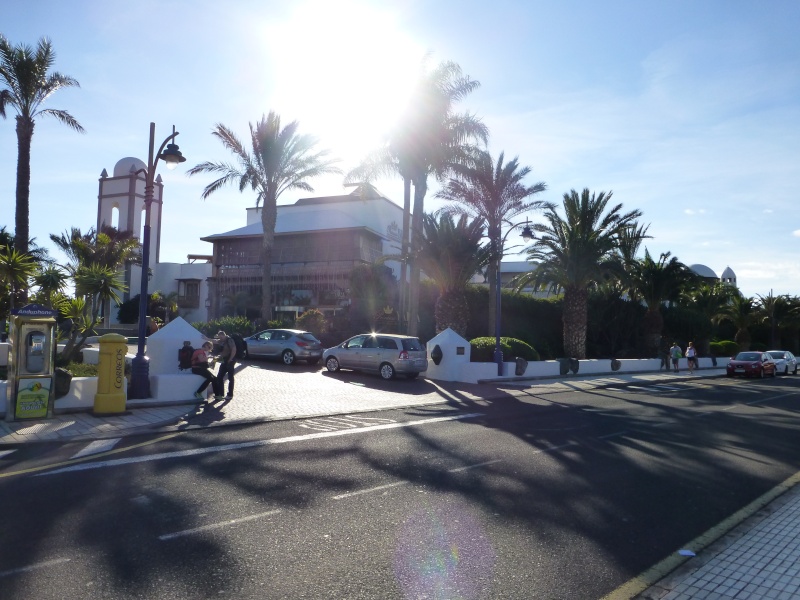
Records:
x=386, y=354
x=288, y=345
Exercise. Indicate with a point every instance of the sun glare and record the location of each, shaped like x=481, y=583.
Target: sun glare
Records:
x=344, y=70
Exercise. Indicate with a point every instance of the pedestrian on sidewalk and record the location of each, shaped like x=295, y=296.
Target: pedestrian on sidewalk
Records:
x=676, y=353
x=227, y=362
x=200, y=366
x=691, y=357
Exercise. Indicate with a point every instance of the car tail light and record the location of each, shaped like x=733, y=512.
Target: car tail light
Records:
x=302, y=344
x=403, y=355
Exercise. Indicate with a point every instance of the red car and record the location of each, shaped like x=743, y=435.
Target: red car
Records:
x=752, y=364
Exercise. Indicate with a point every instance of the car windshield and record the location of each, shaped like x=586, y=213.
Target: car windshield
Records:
x=749, y=356
x=776, y=354
x=412, y=345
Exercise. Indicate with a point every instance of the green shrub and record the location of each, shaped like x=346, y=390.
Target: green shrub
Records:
x=313, y=321
x=724, y=348
x=229, y=325
x=81, y=369
x=482, y=349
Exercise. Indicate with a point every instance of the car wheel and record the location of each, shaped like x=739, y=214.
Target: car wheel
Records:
x=287, y=357
x=313, y=361
x=761, y=373
x=332, y=364
x=387, y=371
x=786, y=370
x=412, y=375
x=774, y=372
x=795, y=370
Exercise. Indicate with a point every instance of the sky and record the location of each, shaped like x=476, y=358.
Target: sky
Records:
x=687, y=110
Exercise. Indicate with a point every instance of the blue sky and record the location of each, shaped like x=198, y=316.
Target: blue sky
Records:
x=687, y=110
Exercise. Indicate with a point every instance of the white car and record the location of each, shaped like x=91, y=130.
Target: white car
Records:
x=785, y=361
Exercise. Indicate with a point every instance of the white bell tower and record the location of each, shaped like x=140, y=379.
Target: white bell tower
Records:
x=120, y=202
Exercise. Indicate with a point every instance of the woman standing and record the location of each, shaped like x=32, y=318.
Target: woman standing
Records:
x=200, y=360
x=691, y=357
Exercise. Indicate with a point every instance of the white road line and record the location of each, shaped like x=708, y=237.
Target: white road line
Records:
x=6, y=452
x=468, y=467
x=254, y=444
x=370, y=490
x=177, y=534
x=97, y=447
x=41, y=565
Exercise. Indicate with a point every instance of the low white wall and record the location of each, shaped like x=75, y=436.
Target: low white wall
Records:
x=82, y=391
x=474, y=372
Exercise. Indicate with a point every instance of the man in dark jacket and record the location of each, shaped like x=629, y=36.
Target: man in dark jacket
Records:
x=227, y=358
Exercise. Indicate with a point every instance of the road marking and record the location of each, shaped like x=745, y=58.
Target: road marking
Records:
x=97, y=447
x=468, y=467
x=67, y=462
x=41, y=565
x=337, y=422
x=177, y=534
x=255, y=444
x=370, y=490
x=6, y=452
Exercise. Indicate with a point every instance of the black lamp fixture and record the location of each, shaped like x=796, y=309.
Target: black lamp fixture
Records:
x=527, y=234
x=172, y=154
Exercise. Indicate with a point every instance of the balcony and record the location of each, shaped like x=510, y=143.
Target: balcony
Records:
x=188, y=301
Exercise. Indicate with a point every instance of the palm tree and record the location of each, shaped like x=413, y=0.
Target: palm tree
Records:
x=450, y=254
x=25, y=72
x=95, y=286
x=741, y=311
x=495, y=194
x=428, y=140
x=108, y=247
x=281, y=160
x=655, y=282
x=710, y=300
x=16, y=268
x=770, y=309
x=576, y=252
x=51, y=280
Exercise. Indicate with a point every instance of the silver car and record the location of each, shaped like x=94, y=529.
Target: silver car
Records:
x=785, y=361
x=288, y=345
x=386, y=354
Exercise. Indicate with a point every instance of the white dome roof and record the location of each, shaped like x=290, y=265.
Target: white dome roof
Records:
x=728, y=273
x=703, y=271
x=123, y=166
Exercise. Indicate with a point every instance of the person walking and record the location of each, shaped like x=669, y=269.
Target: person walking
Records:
x=691, y=357
x=200, y=360
x=675, y=353
x=227, y=358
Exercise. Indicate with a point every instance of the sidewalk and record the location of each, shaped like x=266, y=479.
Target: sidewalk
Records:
x=752, y=555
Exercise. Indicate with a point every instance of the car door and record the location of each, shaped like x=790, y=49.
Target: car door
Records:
x=349, y=355
x=257, y=344
x=371, y=352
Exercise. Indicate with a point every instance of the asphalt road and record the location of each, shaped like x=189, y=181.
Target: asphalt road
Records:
x=565, y=496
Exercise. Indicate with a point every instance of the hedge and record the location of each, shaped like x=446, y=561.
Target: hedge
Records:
x=724, y=348
x=482, y=349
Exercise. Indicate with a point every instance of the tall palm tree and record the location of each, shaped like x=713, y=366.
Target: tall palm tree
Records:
x=428, y=140
x=25, y=73
x=575, y=252
x=741, y=311
x=280, y=159
x=654, y=282
x=450, y=254
x=108, y=247
x=709, y=300
x=495, y=194
x=770, y=309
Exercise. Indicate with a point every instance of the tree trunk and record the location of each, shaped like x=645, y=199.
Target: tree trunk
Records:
x=420, y=189
x=269, y=214
x=404, y=245
x=21, y=223
x=493, y=276
x=575, y=318
x=452, y=310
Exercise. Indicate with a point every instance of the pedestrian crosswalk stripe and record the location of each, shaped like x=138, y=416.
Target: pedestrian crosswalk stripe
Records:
x=97, y=447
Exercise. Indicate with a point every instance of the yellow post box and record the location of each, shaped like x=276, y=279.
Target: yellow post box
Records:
x=111, y=384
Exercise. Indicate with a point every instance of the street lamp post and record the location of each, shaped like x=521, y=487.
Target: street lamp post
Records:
x=140, y=367
x=498, y=242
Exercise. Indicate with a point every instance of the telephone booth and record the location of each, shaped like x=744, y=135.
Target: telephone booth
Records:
x=30, y=363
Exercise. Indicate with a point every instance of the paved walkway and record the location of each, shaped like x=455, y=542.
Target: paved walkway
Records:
x=759, y=559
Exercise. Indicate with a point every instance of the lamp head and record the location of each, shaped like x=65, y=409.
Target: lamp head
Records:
x=172, y=156
x=527, y=234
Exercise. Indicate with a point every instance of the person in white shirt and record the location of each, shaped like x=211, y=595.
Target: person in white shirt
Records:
x=691, y=357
